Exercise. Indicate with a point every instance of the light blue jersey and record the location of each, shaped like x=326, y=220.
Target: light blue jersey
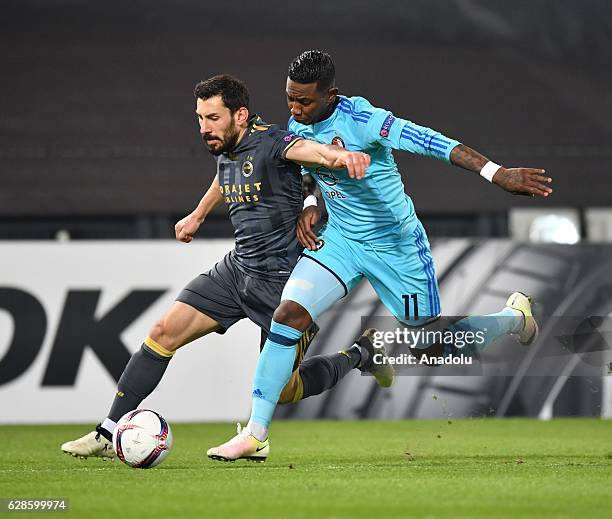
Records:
x=372, y=233
x=375, y=208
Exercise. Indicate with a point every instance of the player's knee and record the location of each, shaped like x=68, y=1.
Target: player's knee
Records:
x=292, y=314
x=161, y=333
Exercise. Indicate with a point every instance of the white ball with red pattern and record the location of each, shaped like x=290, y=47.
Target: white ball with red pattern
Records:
x=142, y=439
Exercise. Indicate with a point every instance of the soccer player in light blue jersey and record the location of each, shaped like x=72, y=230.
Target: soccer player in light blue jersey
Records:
x=372, y=232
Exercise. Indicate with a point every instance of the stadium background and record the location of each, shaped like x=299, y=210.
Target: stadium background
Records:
x=98, y=142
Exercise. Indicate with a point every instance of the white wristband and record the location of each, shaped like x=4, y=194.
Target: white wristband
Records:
x=488, y=170
x=310, y=200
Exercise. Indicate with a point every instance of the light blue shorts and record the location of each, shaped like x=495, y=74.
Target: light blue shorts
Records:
x=402, y=274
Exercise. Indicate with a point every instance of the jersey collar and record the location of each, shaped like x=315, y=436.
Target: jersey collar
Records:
x=253, y=120
x=329, y=120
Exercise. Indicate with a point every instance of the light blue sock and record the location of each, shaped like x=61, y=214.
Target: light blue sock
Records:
x=493, y=325
x=272, y=373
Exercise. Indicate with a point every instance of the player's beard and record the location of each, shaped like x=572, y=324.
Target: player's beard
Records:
x=228, y=144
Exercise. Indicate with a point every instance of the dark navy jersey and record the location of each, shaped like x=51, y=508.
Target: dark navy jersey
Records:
x=263, y=192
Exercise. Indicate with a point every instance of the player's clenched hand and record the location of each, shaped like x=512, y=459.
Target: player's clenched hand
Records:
x=187, y=227
x=356, y=162
x=306, y=221
x=523, y=181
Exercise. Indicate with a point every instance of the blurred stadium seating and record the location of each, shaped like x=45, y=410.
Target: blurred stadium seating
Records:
x=97, y=134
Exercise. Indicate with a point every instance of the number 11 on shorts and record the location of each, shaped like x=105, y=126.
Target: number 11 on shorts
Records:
x=408, y=298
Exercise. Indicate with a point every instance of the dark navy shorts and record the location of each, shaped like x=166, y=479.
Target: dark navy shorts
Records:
x=227, y=294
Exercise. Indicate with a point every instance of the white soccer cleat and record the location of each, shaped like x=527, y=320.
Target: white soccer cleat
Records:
x=383, y=372
x=92, y=445
x=522, y=303
x=243, y=446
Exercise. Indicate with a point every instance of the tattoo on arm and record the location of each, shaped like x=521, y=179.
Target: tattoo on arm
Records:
x=467, y=158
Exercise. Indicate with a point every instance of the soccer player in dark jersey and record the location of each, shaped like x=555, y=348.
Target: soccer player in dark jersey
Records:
x=258, y=178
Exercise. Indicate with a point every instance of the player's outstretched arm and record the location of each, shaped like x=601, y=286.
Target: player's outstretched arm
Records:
x=518, y=181
x=311, y=153
x=188, y=226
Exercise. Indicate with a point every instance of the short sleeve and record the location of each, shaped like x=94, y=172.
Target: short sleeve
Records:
x=280, y=141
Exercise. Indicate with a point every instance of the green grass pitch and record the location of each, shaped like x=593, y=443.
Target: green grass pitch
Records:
x=464, y=468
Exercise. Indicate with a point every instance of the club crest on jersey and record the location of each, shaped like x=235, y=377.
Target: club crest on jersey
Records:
x=326, y=176
x=337, y=141
x=247, y=167
x=386, y=125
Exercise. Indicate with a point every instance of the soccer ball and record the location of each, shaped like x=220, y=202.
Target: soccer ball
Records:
x=142, y=439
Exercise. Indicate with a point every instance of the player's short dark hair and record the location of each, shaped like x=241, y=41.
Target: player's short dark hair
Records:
x=234, y=92
x=313, y=66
